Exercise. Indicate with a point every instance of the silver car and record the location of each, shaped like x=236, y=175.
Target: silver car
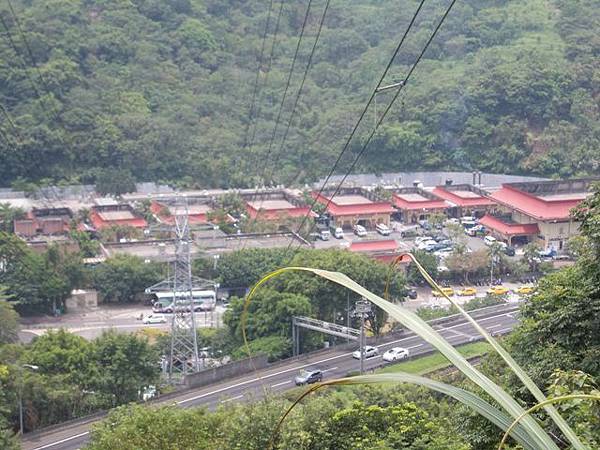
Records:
x=368, y=351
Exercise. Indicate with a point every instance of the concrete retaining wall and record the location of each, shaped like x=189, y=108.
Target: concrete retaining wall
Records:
x=230, y=370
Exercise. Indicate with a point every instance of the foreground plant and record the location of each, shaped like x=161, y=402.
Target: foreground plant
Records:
x=529, y=433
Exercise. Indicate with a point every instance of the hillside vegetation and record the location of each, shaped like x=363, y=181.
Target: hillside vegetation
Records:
x=163, y=88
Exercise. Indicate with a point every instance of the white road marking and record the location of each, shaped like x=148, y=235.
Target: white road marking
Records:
x=181, y=402
x=62, y=441
x=232, y=398
x=329, y=370
x=281, y=384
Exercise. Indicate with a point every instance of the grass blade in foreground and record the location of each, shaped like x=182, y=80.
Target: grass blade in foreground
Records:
x=519, y=372
x=413, y=322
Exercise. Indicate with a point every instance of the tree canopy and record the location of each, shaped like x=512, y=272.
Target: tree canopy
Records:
x=111, y=92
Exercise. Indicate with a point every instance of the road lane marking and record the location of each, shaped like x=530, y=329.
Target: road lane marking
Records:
x=281, y=384
x=329, y=370
x=232, y=398
x=197, y=397
x=62, y=441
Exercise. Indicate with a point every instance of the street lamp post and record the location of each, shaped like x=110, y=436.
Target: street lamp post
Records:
x=24, y=366
x=363, y=308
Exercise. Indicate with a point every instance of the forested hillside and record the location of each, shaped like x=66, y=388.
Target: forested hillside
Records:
x=163, y=88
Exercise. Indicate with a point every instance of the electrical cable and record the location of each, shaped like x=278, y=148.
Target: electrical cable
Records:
x=365, y=145
x=287, y=85
x=255, y=89
x=265, y=82
x=299, y=93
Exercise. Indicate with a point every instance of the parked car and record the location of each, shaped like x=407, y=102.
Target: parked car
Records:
x=509, y=251
x=308, y=376
x=489, y=240
x=383, y=229
x=395, y=354
x=368, y=351
x=420, y=239
x=411, y=293
x=452, y=220
x=525, y=290
x=154, y=318
x=446, y=290
x=409, y=231
x=360, y=231
x=338, y=233
x=465, y=292
x=427, y=245
x=324, y=235
x=497, y=290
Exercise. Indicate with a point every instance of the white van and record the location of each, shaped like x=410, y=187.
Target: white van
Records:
x=359, y=230
x=383, y=229
x=338, y=233
x=489, y=240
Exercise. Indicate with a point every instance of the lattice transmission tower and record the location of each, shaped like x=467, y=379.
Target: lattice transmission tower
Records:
x=183, y=357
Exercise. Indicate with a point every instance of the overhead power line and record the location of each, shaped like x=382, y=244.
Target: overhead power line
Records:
x=256, y=79
x=266, y=81
x=287, y=86
x=386, y=111
x=299, y=93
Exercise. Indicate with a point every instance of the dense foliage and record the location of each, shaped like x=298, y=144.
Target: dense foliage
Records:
x=381, y=418
x=161, y=90
x=74, y=377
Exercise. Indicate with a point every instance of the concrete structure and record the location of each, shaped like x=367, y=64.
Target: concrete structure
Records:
x=416, y=204
x=81, y=300
x=537, y=212
x=383, y=250
x=115, y=215
x=44, y=221
x=197, y=211
x=276, y=206
x=465, y=200
x=353, y=206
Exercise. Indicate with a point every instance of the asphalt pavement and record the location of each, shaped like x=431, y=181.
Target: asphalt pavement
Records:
x=335, y=364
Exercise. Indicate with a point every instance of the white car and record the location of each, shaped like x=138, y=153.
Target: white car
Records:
x=426, y=245
x=369, y=352
x=395, y=354
x=154, y=318
x=360, y=231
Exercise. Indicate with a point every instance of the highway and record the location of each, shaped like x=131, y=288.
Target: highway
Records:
x=335, y=364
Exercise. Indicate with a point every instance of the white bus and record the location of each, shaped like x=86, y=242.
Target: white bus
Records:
x=202, y=301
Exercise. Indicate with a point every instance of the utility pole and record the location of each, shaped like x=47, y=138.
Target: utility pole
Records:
x=24, y=366
x=183, y=357
x=363, y=308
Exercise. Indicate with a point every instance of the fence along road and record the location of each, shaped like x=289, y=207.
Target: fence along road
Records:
x=335, y=363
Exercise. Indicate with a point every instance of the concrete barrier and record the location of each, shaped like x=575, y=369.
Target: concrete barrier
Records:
x=230, y=370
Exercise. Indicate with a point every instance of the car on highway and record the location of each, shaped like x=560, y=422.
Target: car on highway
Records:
x=411, y=293
x=465, y=292
x=369, y=352
x=154, y=318
x=446, y=290
x=395, y=354
x=525, y=290
x=497, y=290
x=308, y=376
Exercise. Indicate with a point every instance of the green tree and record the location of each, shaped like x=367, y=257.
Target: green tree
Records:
x=123, y=278
x=8, y=215
x=125, y=364
x=9, y=320
x=114, y=182
x=429, y=263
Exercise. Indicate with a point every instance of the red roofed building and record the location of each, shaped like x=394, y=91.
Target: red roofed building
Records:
x=276, y=206
x=465, y=200
x=538, y=211
x=416, y=204
x=353, y=206
x=165, y=213
x=44, y=221
x=381, y=250
x=115, y=215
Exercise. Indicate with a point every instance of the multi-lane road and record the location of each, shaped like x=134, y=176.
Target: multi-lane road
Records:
x=335, y=364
